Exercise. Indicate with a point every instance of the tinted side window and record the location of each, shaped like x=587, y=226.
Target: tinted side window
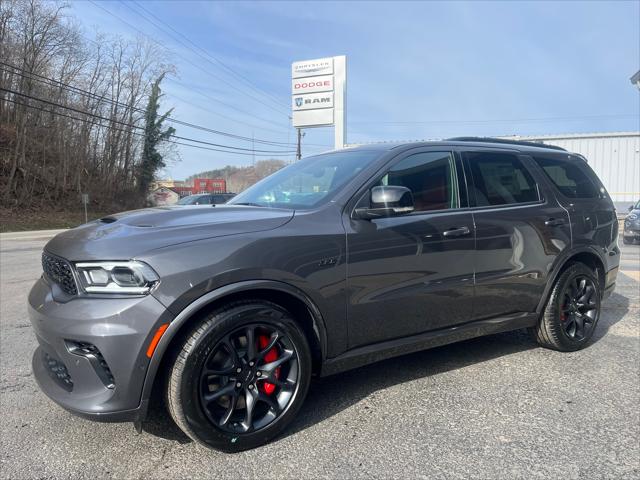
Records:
x=430, y=176
x=500, y=179
x=570, y=179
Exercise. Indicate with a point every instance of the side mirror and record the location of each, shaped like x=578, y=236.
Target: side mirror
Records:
x=630, y=207
x=388, y=201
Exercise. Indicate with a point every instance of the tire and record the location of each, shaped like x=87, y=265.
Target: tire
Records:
x=559, y=326
x=225, y=400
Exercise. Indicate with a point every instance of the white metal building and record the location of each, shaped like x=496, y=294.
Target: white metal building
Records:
x=615, y=157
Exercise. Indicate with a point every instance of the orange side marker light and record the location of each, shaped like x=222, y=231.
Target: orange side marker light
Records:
x=156, y=338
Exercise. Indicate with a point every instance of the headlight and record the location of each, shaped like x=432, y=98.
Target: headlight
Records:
x=632, y=216
x=132, y=278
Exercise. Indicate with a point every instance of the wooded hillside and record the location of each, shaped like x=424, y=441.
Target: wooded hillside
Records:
x=72, y=109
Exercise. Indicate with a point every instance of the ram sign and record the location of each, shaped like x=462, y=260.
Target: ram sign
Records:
x=312, y=101
x=318, y=90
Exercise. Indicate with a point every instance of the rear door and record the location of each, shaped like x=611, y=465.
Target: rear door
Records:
x=412, y=273
x=592, y=215
x=520, y=230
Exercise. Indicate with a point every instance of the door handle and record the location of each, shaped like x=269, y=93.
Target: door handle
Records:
x=456, y=232
x=554, y=222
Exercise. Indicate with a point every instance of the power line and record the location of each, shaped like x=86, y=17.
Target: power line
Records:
x=208, y=110
x=129, y=131
x=115, y=102
x=220, y=62
x=188, y=61
x=138, y=127
x=102, y=98
x=288, y=131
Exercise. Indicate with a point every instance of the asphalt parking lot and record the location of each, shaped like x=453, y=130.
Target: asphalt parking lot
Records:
x=496, y=407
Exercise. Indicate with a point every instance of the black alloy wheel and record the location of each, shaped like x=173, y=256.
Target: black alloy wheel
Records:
x=572, y=310
x=239, y=376
x=579, y=308
x=249, y=378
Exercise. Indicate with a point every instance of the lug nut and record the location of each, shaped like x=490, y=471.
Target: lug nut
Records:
x=258, y=374
x=251, y=364
x=250, y=387
x=238, y=385
x=238, y=370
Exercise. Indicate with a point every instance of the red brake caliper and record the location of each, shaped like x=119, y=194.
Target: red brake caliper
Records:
x=271, y=356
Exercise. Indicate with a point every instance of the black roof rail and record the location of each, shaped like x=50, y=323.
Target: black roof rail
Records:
x=505, y=141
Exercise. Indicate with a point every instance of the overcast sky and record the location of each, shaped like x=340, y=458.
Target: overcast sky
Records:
x=444, y=69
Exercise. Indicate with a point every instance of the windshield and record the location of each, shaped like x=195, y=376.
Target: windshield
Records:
x=637, y=206
x=307, y=183
x=190, y=200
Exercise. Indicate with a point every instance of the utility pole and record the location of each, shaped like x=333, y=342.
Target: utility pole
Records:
x=299, y=149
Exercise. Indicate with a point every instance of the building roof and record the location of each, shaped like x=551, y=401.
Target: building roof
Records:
x=568, y=136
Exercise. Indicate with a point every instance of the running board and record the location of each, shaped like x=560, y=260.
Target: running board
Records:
x=361, y=356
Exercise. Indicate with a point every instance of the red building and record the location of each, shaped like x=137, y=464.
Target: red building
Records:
x=202, y=185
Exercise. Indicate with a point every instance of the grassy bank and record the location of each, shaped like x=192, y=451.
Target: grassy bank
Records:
x=16, y=220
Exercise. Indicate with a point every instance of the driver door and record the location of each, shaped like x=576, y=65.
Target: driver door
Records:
x=412, y=273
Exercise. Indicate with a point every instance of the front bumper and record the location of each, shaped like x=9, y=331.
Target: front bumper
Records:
x=631, y=233
x=91, y=358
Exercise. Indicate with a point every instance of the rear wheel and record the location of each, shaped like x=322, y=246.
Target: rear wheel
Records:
x=240, y=376
x=572, y=311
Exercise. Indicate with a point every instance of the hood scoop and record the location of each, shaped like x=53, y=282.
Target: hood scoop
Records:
x=108, y=219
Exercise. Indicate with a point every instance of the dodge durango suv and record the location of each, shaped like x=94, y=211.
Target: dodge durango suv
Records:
x=336, y=261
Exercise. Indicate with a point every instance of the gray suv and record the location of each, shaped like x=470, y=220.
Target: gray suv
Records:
x=337, y=261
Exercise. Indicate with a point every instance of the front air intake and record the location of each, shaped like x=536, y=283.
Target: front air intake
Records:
x=97, y=361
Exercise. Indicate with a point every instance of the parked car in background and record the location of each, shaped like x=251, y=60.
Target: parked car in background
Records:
x=206, y=199
x=336, y=261
x=631, y=230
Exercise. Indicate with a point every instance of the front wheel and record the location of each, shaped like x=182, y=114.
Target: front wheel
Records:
x=572, y=311
x=240, y=377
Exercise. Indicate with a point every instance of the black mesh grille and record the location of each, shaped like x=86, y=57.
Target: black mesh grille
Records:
x=59, y=271
x=58, y=371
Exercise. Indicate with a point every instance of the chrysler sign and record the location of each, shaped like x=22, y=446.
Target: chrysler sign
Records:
x=317, y=94
x=310, y=68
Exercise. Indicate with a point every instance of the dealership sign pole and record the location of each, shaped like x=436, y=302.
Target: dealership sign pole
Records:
x=318, y=90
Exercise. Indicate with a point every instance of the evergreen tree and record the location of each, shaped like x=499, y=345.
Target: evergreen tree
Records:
x=154, y=135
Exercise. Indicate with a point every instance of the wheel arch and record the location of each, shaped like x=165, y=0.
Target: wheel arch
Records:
x=585, y=256
x=293, y=299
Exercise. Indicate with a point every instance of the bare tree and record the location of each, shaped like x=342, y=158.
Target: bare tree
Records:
x=72, y=111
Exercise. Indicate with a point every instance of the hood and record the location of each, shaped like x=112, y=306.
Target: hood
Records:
x=127, y=235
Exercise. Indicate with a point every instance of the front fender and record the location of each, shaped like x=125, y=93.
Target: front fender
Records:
x=195, y=306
